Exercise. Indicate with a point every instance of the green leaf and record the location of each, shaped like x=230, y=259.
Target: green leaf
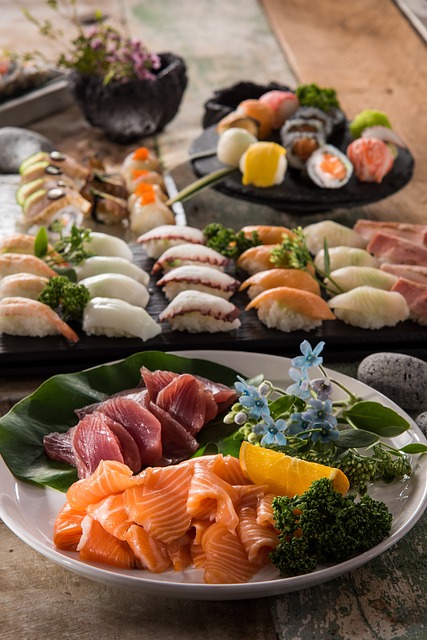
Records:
x=415, y=447
x=51, y=408
x=374, y=417
x=281, y=405
x=355, y=438
x=219, y=438
x=41, y=243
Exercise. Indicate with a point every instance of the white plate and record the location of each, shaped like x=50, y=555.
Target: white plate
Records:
x=30, y=511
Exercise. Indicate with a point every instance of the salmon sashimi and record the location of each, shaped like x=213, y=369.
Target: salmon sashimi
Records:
x=265, y=510
x=249, y=495
x=180, y=553
x=211, y=497
x=267, y=234
x=152, y=554
x=410, y=231
x=272, y=278
x=257, y=539
x=67, y=529
x=96, y=545
x=390, y=248
x=226, y=559
x=227, y=468
x=109, y=477
x=112, y=514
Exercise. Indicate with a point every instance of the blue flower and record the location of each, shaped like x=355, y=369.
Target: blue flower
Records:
x=322, y=387
x=324, y=432
x=252, y=399
x=301, y=388
x=273, y=432
x=320, y=413
x=310, y=357
x=298, y=426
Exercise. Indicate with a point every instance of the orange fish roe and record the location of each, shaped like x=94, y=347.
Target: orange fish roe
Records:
x=139, y=173
x=333, y=165
x=147, y=197
x=141, y=153
x=143, y=187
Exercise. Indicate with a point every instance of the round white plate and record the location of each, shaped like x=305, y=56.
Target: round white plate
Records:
x=30, y=511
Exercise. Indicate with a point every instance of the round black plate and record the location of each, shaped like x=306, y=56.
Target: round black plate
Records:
x=298, y=194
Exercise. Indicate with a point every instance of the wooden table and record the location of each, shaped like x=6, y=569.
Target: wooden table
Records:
x=335, y=44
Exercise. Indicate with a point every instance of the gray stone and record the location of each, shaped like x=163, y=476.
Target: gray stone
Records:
x=400, y=377
x=421, y=421
x=17, y=144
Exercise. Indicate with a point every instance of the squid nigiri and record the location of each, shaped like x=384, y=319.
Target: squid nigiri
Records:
x=267, y=234
x=290, y=309
x=116, y=318
x=196, y=311
x=156, y=241
x=273, y=278
x=117, y=285
x=187, y=253
x=109, y=264
x=26, y=317
x=104, y=244
x=198, y=278
x=370, y=308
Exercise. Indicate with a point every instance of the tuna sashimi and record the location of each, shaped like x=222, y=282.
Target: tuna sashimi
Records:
x=408, y=271
x=59, y=446
x=177, y=443
x=415, y=295
x=93, y=441
x=390, y=248
x=186, y=400
x=409, y=231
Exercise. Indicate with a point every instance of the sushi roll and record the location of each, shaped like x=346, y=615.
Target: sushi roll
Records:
x=345, y=257
x=69, y=166
x=104, y=244
x=261, y=112
x=370, y=308
x=329, y=168
x=25, y=317
x=256, y=259
x=196, y=311
x=22, y=285
x=267, y=234
x=263, y=164
x=283, y=103
x=334, y=233
x=190, y=254
x=290, y=309
x=116, y=318
x=347, y=278
x=232, y=144
x=197, y=278
x=372, y=159
x=116, y=285
x=42, y=206
x=273, y=278
x=300, y=145
x=313, y=113
x=156, y=241
x=11, y=263
x=97, y=265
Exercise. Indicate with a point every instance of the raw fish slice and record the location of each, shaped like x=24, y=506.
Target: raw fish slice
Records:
x=256, y=259
x=272, y=278
x=180, y=553
x=11, y=263
x=190, y=254
x=370, y=308
x=26, y=317
x=265, y=513
x=152, y=554
x=60, y=447
x=105, y=244
x=283, y=103
x=186, y=400
x=93, y=441
x=348, y=278
x=113, y=317
x=415, y=295
x=97, y=265
x=111, y=513
x=398, y=250
x=414, y=232
x=345, y=257
x=117, y=285
x=228, y=469
x=195, y=312
x=155, y=381
x=24, y=285
x=258, y=540
x=159, y=504
x=96, y=545
x=198, y=278
x=335, y=234
x=198, y=528
x=209, y=496
x=109, y=477
x=163, y=237
x=67, y=529
x=198, y=555
x=140, y=423
x=410, y=272
x=371, y=158
x=226, y=559
x=177, y=443
x=128, y=446
x=223, y=395
x=249, y=495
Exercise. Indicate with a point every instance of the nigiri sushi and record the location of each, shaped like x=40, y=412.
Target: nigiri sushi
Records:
x=116, y=318
x=26, y=317
x=104, y=244
x=334, y=233
x=24, y=263
x=68, y=165
x=196, y=311
x=23, y=285
x=261, y=112
x=109, y=264
x=188, y=253
x=198, y=278
x=370, y=308
x=256, y=259
x=290, y=309
x=267, y=234
x=283, y=103
x=371, y=158
x=346, y=278
x=263, y=164
x=156, y=241
x=232, y=144
x=407, y=271
x=345, y=257
x=329, y=168
x=146, y=215
x=140, y=159
x=235, y=120
x=116, y=285
x=142, y=189
x=138, y=177
x=273, y=278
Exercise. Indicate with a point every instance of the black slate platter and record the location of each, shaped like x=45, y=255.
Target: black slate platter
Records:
x=52, y=355
x=297, y=194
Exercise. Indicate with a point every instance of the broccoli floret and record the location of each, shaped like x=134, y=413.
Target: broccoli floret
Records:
x=322, y=526
x=67, y=298
x=311, y=95
x=227, y=241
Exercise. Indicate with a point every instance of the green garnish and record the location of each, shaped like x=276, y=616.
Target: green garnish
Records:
x=69, y=248
x=311, y=95
x=67, y=298
x=227, y=242
x=368, y=118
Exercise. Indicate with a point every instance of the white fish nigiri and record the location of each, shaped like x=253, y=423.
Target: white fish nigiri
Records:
x=345, y=257
x=109, y=264
x=116, y=318
x=195, y=312
x=117, y=285
x=334, y=233
x=188, y=253
x=144, y=217
x=24, y=285
x=156, y=241
x=104, y=244
x=198, y=278
x=347, y=278
x=25, y=317
x=370, y=308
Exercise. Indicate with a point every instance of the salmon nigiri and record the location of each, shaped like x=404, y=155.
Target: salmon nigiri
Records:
x=267, y=234
x=290, y=309
x=256, y=259
x=272, y=278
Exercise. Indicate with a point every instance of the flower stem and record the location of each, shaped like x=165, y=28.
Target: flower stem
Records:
x=200, y=185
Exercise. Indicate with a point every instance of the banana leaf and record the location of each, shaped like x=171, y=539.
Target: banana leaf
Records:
x=52, y=408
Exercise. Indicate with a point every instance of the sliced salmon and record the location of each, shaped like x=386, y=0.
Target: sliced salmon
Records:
x=111, y=513
x=109, y=477
x=67, y=529
x=226, y=559
x=302, y=302
x=97, y=545
x=257, y=539
x=151, y=553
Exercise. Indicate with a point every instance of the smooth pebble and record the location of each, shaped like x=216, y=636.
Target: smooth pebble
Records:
x=18, y=144
x=421, y=421
x=400, y=377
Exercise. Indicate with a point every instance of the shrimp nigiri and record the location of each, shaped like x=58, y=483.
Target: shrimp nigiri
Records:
x=24, y=263
x=25, y=317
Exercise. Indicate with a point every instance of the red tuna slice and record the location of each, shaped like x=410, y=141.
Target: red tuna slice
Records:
x=407, y=271
x=129, y=448
x=178, y=444
x=157, y=380
x=409, y=231
x=140, y=423
x=398, y=250
x=93, y=441
x=59, y=446
x=415, y=295
x=186, y=400
x=223, y=395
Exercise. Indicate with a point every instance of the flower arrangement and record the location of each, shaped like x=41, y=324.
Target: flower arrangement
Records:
x=306, y=422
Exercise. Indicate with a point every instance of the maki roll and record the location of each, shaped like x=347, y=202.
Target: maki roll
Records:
x=313, y=113
x=329, y=168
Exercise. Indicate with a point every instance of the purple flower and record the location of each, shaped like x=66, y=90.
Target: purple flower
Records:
x=322, y=387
